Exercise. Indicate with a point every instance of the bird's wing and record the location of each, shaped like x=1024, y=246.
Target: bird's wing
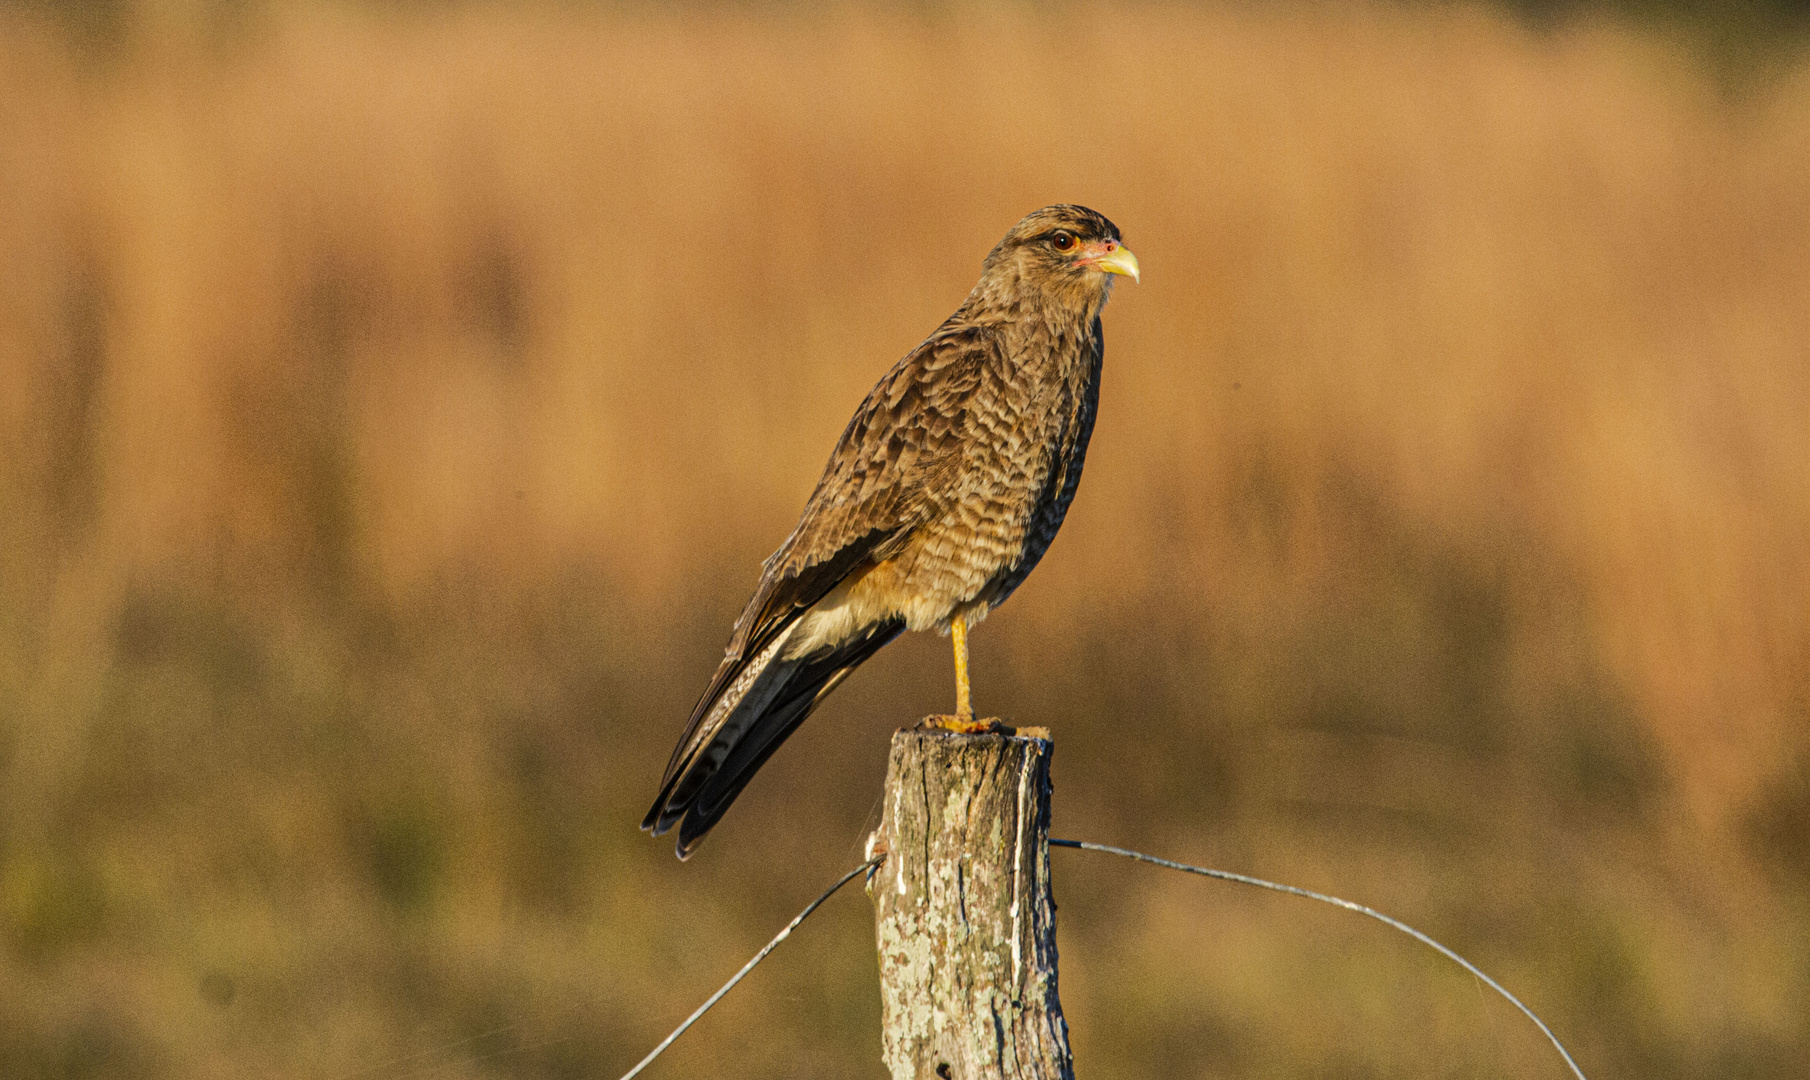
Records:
x=893, y=469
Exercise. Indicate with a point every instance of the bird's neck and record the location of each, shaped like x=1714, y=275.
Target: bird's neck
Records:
x=1034, y=329
x=1008, y=303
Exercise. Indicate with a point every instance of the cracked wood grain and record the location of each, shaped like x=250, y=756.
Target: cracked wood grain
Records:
x=964, y=918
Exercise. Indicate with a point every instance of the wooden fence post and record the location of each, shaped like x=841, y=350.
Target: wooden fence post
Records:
x=964, y=917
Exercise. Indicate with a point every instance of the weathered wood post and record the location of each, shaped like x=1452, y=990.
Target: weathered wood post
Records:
x=965, y=921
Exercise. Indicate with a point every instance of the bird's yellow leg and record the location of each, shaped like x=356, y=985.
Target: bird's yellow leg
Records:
x=964, y=708
x=963, y=721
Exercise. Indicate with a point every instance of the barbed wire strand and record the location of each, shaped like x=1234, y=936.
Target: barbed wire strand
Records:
x=1244, y=879
x=749, y=966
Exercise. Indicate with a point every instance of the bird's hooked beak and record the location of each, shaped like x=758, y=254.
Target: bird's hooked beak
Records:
x=1111, y=257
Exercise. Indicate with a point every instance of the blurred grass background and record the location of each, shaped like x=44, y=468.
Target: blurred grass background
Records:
x=399, y=399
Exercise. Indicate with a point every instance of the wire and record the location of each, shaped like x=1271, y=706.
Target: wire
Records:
x=1223, y=875
x=749, y=966
x=1242, y=879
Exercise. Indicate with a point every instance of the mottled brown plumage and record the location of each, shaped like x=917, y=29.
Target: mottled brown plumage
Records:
x=946, y=488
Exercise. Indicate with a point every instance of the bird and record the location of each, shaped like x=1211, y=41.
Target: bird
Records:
x=944, y=491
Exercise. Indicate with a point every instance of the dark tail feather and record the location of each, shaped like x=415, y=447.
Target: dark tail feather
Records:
x=780, y=699
x=737, y=695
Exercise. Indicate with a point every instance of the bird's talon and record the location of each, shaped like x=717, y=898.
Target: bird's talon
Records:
x=969, y=725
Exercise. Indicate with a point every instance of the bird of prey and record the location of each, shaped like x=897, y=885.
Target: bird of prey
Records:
x=943, y=492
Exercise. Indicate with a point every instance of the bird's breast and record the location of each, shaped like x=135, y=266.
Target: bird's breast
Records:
x=991, y=515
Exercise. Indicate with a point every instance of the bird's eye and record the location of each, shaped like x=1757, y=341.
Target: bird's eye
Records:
x=1062, y=241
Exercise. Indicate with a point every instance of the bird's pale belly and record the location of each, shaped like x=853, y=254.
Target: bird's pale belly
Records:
x=948, y=568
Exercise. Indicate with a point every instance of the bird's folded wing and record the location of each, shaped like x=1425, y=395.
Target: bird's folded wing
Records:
x=886, y=477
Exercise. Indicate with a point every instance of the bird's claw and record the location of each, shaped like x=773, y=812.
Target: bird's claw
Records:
x=970, y=726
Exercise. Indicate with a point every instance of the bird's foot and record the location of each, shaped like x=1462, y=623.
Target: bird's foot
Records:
x=967, y=725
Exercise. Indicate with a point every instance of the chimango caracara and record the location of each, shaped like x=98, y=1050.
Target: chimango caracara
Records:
x=944, y=491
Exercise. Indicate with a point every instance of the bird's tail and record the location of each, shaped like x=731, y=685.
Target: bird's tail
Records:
x=750, y=709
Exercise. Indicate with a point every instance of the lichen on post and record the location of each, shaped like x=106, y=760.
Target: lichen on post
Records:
x=964, y=916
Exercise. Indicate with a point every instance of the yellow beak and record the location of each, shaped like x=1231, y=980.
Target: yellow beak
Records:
x=1120, y=261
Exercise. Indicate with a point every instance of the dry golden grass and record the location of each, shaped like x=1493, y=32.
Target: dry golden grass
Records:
x=395, y=411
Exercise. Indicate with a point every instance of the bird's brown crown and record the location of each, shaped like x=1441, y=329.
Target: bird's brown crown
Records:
x=1079, y=221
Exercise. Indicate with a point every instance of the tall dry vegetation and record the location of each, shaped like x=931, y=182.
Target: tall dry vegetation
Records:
x=396, y=411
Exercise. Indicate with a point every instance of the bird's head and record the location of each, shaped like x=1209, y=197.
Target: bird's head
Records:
x=1068, y=252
